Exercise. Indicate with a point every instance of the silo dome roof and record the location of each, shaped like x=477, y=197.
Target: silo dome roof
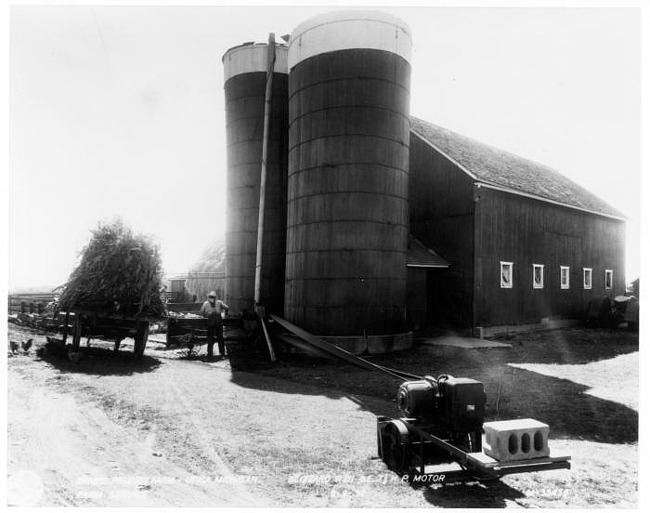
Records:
x=343, y=30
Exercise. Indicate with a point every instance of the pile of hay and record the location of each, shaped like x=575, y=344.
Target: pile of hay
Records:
x=119, y=273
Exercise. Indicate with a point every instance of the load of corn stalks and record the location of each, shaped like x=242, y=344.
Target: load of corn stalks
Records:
x=119, y=273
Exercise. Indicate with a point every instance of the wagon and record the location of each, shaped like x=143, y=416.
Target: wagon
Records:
x=193, y=331
x=186, y=329
x=110, y=327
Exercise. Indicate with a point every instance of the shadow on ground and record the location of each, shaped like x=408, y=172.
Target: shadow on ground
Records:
x=570, y=345
x=511, y=392
x=102, y=362
x=493, y=494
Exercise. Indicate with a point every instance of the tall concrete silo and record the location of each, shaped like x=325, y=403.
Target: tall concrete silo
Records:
x=245, y=73
x=347, y=218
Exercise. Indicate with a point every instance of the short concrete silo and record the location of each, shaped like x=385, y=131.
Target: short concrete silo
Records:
x=347, y=218
x=245, y=73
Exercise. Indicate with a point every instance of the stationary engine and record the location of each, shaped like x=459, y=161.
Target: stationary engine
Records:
x=454, y=408
x=457, y=403
x=440, y=436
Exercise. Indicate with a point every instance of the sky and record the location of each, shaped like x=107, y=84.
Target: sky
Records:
x=119, y=110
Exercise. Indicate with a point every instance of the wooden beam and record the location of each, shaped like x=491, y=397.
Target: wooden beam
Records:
x=265, y=150
x=268, y=339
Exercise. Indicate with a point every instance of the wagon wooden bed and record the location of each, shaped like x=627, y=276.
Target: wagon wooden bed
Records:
x=109, y=327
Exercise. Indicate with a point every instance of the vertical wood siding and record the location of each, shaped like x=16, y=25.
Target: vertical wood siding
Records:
x=441, y=211
x=475, y=229
x=526, y=232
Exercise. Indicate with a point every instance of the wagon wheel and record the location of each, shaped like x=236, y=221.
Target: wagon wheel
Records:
x=76, y=332
x=141, y=336
x=395, y=438
x=171, y=327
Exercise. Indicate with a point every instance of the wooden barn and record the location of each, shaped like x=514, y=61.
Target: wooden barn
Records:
x=511, y=241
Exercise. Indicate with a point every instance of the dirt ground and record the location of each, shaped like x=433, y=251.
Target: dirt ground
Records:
x=178, y=431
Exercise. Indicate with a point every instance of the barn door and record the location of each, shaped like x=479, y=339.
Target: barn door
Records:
x=445, y=298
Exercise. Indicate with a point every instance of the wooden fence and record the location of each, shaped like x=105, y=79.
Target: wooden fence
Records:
x=28, y=303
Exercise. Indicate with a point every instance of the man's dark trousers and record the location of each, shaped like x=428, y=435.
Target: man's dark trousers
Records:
x=215, y=330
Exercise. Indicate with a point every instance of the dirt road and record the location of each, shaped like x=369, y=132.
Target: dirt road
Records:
x=66, y=449
x=178, y=432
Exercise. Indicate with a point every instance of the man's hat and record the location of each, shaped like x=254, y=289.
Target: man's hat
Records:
x=212, y=294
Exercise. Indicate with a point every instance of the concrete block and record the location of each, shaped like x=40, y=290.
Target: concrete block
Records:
x=520, y=439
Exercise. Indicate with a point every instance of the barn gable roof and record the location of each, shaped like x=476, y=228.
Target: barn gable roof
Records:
x=509, y=172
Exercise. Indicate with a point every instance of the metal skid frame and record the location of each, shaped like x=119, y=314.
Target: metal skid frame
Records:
x=415, y=453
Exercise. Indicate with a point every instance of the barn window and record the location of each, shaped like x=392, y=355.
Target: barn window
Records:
x=506, y=275
x=564, y=277
x=586, y=277
x=609, y=278
x=538, y=276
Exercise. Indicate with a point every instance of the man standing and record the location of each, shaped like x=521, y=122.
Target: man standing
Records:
x=211, y=310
